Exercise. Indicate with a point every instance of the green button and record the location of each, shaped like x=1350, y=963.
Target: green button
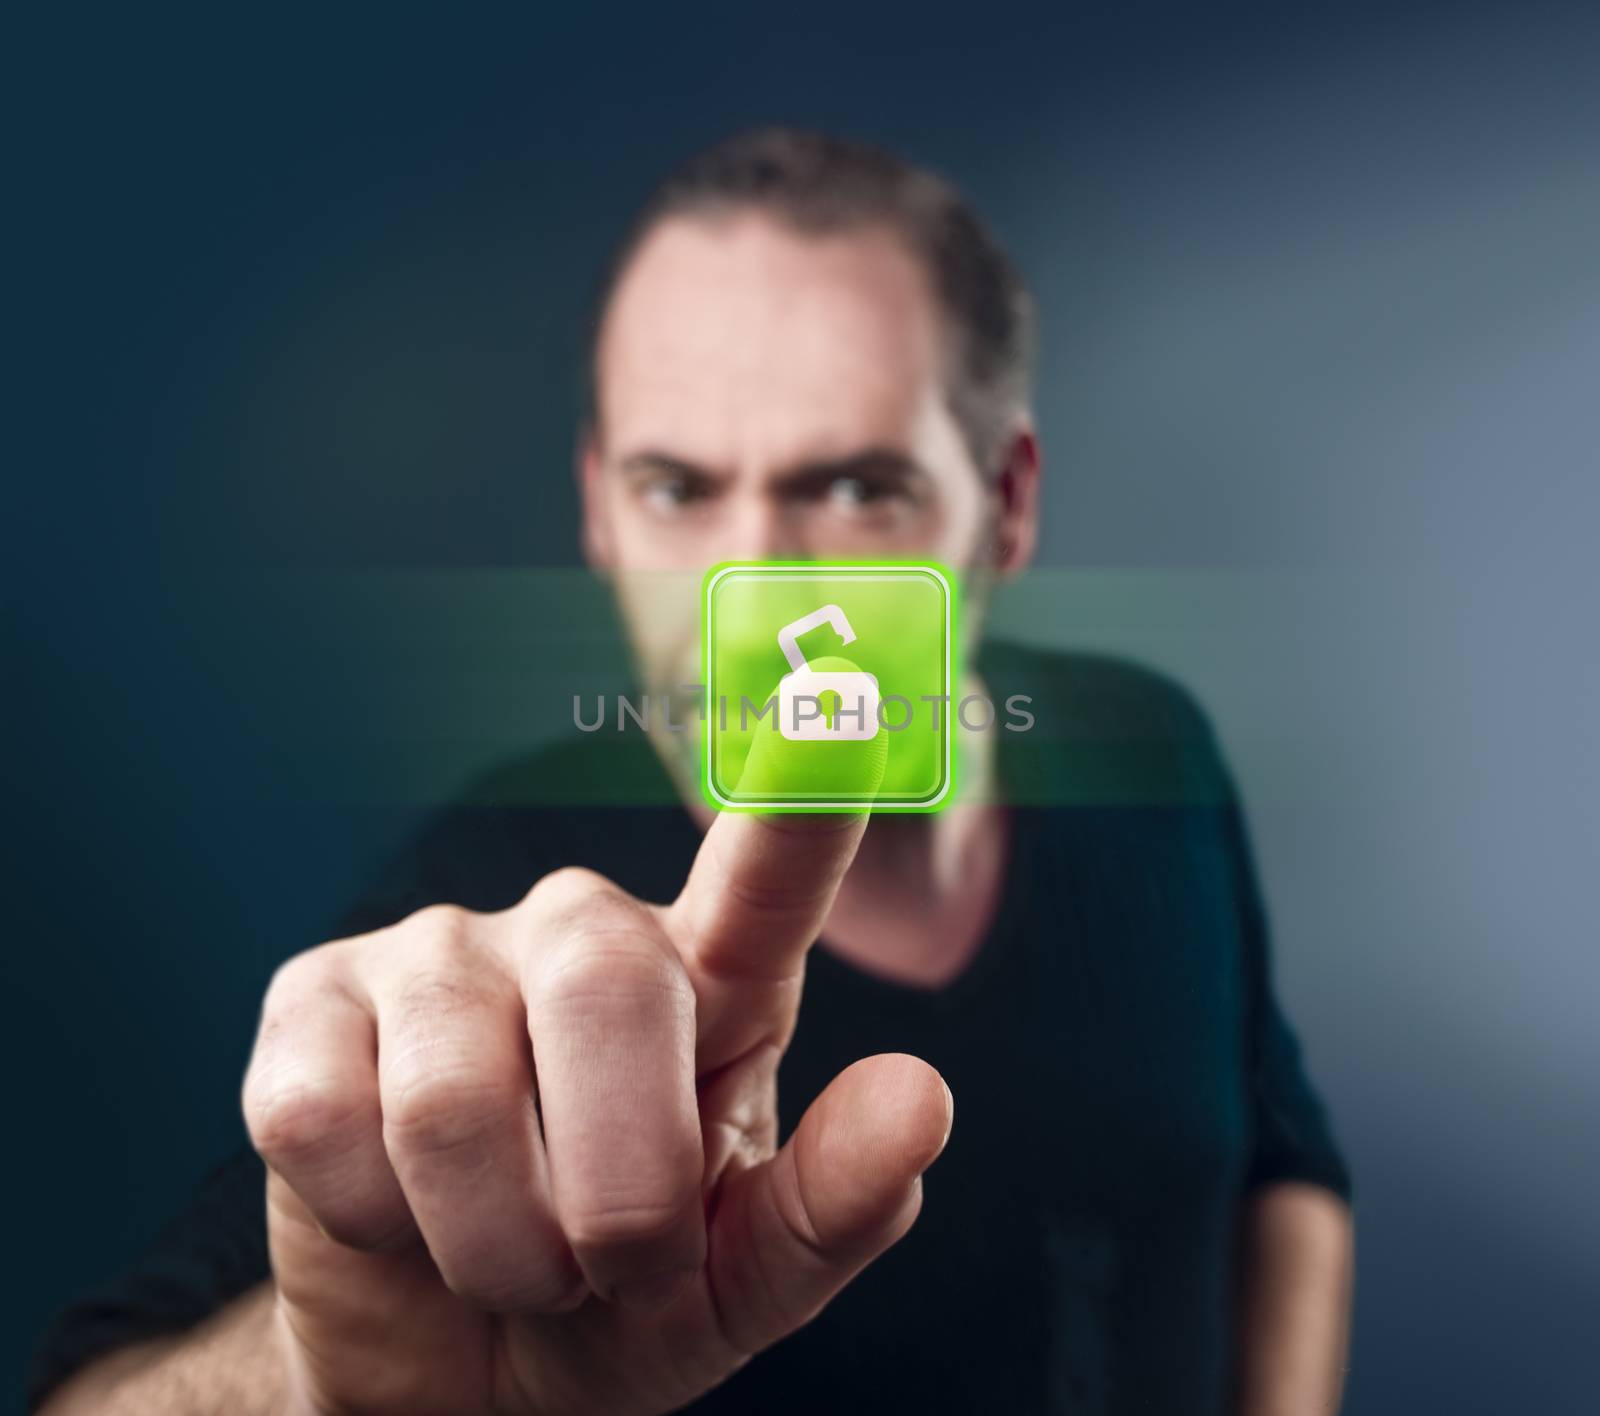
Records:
x=841, y=674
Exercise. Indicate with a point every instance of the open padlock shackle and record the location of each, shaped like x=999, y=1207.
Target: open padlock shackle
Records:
x=789, y=635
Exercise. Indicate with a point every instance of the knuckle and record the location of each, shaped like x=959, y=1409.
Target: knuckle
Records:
x=573, y=901
x=291, y=1121
x=543, y=1283
x=439, y=997
x=565, y=896
x=617, y=973
x=443, y=966
x=570, y=885
x=438, y=929
x=640, y=1220
x=307, y=984
x=429, y=1109
x=601, y=948
x=296, y=980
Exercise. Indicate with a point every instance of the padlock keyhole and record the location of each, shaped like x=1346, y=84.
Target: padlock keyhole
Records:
x=830, y=702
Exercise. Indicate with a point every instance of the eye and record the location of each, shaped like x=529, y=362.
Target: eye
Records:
x=851, y=492
x=672, y=491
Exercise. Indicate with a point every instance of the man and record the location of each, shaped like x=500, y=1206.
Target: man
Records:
x=526, y=1147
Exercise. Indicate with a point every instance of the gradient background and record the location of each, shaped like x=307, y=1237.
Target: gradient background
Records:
x=1319, y=403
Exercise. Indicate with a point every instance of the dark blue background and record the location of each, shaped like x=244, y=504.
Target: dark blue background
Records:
x=1320, y=294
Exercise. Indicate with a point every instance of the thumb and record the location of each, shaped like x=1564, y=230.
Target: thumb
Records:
x=790, y=1233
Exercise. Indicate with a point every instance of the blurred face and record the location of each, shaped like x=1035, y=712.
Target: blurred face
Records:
x=765, y=394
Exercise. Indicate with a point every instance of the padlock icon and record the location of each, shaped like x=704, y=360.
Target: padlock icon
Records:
x=821, y=705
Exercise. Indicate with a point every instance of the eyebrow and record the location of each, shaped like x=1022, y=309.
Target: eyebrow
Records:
x=873, y=462
x=638, y=464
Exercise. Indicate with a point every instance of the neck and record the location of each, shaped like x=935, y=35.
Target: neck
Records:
x=921, y=894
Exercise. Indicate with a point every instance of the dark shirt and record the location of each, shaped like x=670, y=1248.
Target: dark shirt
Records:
x=1124, y=1077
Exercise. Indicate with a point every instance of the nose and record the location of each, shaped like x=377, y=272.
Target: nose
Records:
x=760, y=531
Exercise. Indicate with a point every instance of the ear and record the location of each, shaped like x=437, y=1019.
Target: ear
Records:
x=1016, y=528
x=596, y=536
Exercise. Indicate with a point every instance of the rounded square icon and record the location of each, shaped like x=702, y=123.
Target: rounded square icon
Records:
x=828, y=686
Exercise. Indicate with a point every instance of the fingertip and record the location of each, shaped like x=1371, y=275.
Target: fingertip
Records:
x=796, y=771
x=879, y=1126
x=915, y=1103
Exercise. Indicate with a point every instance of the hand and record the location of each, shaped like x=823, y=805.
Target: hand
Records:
x=527, y=1162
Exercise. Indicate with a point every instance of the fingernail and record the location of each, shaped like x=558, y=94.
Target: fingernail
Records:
x=949, y=1112
x=654, y=1290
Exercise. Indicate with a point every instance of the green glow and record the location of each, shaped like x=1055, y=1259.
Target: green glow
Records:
x=902, y=616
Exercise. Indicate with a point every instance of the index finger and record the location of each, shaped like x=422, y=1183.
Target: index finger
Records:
x=761, y=885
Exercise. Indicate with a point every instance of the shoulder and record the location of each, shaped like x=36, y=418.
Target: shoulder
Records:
x=602, y=803
x=1104, y=728
x=1097, y=691
x=604, y=768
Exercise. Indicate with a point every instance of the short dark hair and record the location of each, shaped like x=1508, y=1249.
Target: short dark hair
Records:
x=817, y=184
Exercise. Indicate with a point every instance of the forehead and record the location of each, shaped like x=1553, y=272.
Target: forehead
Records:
x=737, y=338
